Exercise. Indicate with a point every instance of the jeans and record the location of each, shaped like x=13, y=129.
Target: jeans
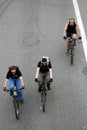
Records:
x=18, y=84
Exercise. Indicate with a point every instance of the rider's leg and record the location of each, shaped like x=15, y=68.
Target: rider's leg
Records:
x=67, y=44
x=68, y=41
x=11, y=85
x=40, y=81
x=18, y=86
x=47, y=79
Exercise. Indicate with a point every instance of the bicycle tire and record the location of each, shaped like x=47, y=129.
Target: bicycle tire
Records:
x=16, y=107
x=43, y=95
x=71, y=57
x=43, y=106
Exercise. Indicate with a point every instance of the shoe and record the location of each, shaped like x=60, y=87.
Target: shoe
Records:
x=67, y=51
x=21, y=101
x=48, y=86
x=11, y=93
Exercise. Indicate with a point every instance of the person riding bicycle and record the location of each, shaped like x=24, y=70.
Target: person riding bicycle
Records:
x=15, y=78
x=71, y=29
x=44, y=68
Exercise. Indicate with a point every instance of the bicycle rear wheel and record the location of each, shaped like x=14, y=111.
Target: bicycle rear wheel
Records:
x=16, y=107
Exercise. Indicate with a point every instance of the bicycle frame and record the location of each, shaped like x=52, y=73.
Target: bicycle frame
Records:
x=71, y=48
x=43, y=91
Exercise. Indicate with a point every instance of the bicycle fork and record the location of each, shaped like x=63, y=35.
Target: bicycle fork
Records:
x=71, y=56
x=43, y=96
x=16, y=107
x=43, y=100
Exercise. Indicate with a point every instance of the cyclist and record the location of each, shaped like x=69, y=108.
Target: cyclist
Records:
x=14, y=76
x=71, y=29
x=44, y=68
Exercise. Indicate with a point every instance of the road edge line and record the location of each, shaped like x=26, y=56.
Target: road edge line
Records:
x=83, y=34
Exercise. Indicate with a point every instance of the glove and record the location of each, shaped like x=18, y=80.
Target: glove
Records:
x=4, y=89
x=23, y=87
x=64, y=37
x=51, y=80
x=36, y=79
x=79, y=37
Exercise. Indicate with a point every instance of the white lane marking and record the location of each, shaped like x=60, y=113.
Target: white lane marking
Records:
x=79, y=19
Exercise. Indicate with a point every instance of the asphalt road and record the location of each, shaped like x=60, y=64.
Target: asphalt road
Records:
x=28, y=30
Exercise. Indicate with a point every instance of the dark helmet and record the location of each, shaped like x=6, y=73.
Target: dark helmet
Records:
x=44, y=60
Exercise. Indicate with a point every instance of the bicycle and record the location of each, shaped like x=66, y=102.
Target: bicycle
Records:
x=43, y=92
x=16, y=102
x=72, y=44
x=71, y=49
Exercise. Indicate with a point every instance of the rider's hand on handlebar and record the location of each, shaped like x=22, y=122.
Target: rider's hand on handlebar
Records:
x=79, y=37
x=23, y=87
x=36, y=80
x=51, y=80
x=4, y=89
x=64, y=37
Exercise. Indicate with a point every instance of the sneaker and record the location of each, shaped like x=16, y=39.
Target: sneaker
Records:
x=67, y=51
x=11, y=93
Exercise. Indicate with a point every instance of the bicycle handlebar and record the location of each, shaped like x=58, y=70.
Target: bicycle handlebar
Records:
x=7, y=90
x=44, y=81
x=79, y=38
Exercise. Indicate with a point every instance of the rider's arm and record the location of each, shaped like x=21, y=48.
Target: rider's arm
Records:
x=22, y=81
x=65, y=29
x=20, y=76
x=37, y=72
x=6, y=80
x=78, y=29
x=50, y=70
x=5, y=84
x=51, y=75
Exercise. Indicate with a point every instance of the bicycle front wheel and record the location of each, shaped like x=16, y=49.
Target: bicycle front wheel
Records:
x=43, y=96
x=16, y=107
x=71, y=57
x=43, y=106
